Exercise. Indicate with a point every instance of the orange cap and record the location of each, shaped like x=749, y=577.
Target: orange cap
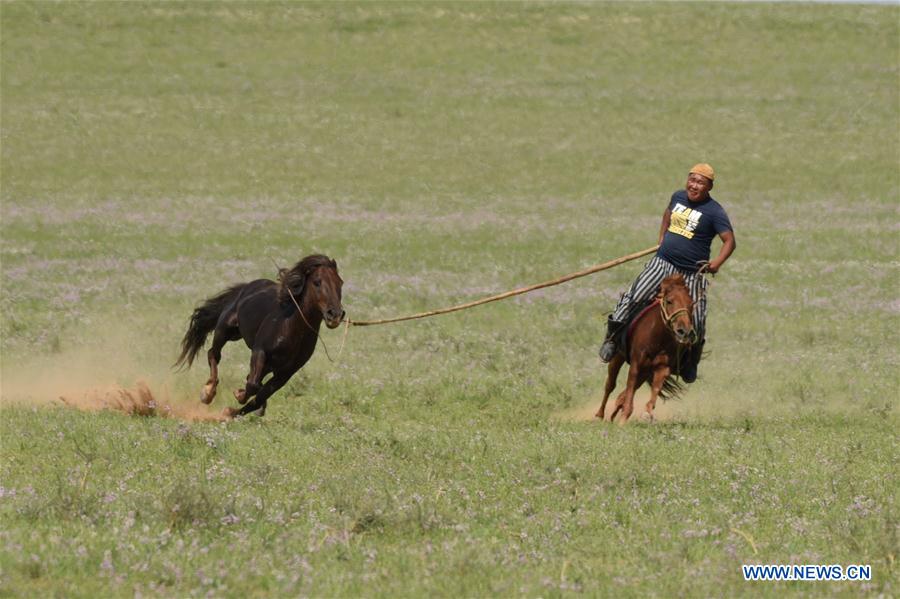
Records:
x=705, y=170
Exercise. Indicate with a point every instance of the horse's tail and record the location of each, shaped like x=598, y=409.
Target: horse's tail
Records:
x=203, y=321
x=671, y=388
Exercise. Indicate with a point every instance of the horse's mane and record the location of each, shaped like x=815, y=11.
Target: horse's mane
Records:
x=294, y=279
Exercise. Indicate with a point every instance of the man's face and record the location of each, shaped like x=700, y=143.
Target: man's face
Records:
x=698, y=187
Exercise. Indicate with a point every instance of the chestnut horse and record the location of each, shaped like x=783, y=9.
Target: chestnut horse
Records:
x=657, y=341
x=264, y=313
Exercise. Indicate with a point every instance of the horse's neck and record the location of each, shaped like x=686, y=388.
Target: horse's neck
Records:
x=308, y=319
x=649, y=319
x=651, y=308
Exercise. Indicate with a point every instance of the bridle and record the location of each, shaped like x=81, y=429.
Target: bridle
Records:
x=669, y=318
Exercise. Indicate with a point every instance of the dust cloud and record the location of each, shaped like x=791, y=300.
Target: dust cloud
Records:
x=114, y=376
x=139, y=400
x=665, y=410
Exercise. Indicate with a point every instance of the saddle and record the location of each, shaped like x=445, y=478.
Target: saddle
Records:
x=623, y=337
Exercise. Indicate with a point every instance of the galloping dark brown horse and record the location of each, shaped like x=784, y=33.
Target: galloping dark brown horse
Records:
x=657, y=341
x=264, y=313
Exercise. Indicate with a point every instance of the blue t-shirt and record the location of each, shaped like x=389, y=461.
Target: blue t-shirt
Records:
x=691, y=231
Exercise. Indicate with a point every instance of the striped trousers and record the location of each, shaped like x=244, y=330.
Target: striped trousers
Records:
x=646, y=287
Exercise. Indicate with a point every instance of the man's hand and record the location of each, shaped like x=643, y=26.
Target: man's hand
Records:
x=728, y=245
x=703, y=267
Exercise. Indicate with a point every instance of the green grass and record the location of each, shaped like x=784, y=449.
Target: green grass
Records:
x=342, y=502
x=154, y=153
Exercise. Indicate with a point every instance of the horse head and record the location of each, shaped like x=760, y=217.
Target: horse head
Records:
x=677, y=308
x=316, y=278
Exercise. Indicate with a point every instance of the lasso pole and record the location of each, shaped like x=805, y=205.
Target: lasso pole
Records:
x=494, y=298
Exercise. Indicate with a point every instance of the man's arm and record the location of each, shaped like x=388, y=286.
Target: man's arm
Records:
x=666, y=219
x=728, y=245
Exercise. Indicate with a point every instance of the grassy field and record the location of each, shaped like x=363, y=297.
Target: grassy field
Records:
x=154, y=153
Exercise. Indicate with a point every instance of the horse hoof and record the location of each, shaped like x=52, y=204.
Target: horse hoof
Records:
x=229, y=412
x=208, y=393
x=648, y=417
x=241, y=396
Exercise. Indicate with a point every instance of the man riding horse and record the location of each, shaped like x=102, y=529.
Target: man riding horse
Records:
x=689, y=224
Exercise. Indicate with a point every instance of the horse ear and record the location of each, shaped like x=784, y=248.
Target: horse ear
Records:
x=334, y=264
x=297, y=282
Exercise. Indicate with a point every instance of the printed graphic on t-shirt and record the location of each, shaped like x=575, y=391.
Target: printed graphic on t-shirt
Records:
x=684, y=221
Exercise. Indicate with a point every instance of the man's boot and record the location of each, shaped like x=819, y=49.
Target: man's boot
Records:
x=691, y=359
x=608, y=349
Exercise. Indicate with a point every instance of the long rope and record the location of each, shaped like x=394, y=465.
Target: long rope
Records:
x=502, y=296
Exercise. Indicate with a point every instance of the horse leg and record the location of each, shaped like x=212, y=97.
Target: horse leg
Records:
x=659, y=377
x=612, y=373
x=257, y=372
x=626, y=400
x=221, y=336
x=262, y=396
x=620, y=403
